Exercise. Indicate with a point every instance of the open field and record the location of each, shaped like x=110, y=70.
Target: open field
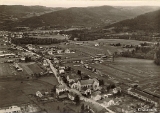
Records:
x=51, y=80
x=122, y=41
x=8, y=70
x=5, y=70
x=31, y=68
x=89, y=48
x=17, y=92
x=35, y=68
x=58, y=107
x=145, y=68
x=10, y=97
x=59, y=37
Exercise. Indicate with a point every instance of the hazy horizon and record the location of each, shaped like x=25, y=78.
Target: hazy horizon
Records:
x=79, y=3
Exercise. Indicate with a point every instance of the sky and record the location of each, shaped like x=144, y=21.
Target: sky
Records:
x=81, y=3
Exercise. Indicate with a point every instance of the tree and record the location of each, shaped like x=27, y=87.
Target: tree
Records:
x=101, y=82
x=28, y=59
x=53, y=89
x=77, y=99
x=64, y=110
x=111, y=86
x=82, y=107
x=79, y=72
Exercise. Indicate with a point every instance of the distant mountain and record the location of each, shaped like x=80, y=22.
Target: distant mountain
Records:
x=86, y=16
x=146, y=22
x=20, y=11
x=13, y=13
x=138, y=10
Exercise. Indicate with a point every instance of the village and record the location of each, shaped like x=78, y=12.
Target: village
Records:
x=79, y=75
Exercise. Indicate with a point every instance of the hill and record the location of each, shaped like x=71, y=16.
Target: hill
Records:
x=20, y=11
x=13, y=13
x=138, y=10
x=146, y=22
x=85, y=16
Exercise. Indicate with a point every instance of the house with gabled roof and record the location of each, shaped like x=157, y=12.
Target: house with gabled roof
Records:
x=72, y=78
x=60, y=88
x=90, y=83
x=67, y=51
x=85, y=86
x=76, y=85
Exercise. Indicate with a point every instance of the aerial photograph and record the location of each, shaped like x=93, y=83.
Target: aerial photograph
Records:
x=79, y=56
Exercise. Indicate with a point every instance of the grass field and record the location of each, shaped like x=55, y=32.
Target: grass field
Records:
x=88, y=47
x=17, y=92
x=145, y=71
x=5, y=70
x=122, y=41
x=10, y=94
x=131, y=70
x=31, y=68
x=51, y=80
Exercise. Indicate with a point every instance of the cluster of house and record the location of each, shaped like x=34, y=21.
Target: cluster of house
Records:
x=88, y=87
x=59, y=51
x=30, y=47
x=16, y=35
x=11, y=109
x=16, y=47
x=24, y=108
x=50, y=50
x=60, y=69
x=85, y=87
x=3, y=33
x=9, y=61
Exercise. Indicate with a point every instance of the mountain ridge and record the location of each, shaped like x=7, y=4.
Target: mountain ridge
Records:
x=146, y=22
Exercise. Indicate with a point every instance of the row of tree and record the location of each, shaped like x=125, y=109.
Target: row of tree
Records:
x=40, y=41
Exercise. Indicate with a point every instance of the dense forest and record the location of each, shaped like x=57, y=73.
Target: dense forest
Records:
x=148, y=22
x=86, y=35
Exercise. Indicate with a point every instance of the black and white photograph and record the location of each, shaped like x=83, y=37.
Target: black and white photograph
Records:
x=79, y=56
